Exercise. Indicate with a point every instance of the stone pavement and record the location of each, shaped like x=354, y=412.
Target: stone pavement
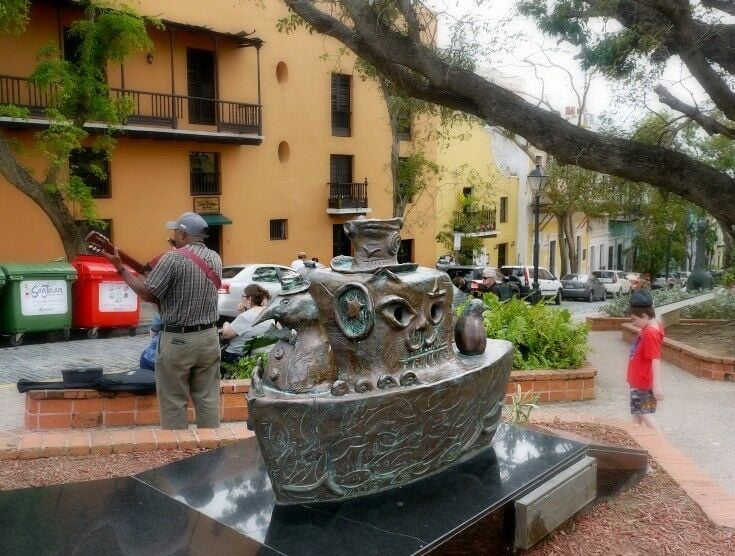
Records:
x=696, y=415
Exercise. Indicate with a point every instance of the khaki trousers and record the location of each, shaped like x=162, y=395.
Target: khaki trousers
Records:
x=187, y=367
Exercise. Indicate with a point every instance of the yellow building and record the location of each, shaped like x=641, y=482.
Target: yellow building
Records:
x=234, y=120
x=478, y=196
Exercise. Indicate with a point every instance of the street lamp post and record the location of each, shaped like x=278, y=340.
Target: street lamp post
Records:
x=670, y=226
x=536, y=181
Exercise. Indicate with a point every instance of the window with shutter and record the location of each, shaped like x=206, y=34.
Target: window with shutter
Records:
x=341, y=104
x=201, y=85
x=340, y=170
x=503, y=213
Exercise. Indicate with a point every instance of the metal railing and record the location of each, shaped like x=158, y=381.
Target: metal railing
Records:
x=149, y=108
x=204, y=183
x=474, y=221
x=348, y=195
x=19, y=91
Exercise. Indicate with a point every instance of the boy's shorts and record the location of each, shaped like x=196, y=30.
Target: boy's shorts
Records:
x=642, y=402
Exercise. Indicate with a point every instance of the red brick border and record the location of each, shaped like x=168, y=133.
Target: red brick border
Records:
x=36, y=444
x=84, y=409
x=696, y=482
x=603, y=323
x=555, y=385
x=695, y=361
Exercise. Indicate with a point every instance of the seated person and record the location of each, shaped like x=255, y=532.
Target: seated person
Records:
x=254, y=299
x=148, y=357
x=489, y=283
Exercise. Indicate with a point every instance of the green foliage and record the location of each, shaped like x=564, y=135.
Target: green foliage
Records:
x=618, y=307
x=17, y=112
x=721, y=307
x=542, y=337
x=728, y=278
x=13, y=16
x=414, y=173
x=78, y=90
x=244, y=368
x=521, y=404
x=617, y=52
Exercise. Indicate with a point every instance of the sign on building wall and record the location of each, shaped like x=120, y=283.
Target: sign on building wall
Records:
x=206, y=205
x=44, y=297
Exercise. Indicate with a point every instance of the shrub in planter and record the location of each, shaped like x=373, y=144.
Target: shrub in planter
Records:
x=243, y=368
x=721, y=307
x=542, y=337
x=618, y=307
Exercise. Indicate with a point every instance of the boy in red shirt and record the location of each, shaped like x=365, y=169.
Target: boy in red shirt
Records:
x=645, y=360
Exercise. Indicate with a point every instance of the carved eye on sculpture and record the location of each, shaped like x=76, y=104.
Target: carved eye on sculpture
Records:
x=396, y=311
x=285, y=301
x=436, y=313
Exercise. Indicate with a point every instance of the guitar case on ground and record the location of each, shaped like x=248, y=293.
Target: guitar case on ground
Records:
x=138, y=381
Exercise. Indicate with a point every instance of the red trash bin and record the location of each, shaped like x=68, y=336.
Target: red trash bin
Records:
x=101, y=298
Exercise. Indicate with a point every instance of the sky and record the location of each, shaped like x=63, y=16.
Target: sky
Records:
x=511, y=40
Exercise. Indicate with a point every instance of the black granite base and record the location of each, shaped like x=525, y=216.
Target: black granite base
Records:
x=221, y=502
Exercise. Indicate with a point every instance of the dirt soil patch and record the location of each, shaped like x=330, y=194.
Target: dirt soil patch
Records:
x=656, y=517
x=717, y=339
x=52, y=471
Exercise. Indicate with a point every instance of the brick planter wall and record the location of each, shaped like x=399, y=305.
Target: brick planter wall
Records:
x=82, y=409
x=602, y=323
x=555, y=385
x=695, y=361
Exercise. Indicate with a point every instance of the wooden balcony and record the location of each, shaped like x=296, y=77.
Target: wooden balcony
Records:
x=475, y=223
x=348, y=198
x=156, y=115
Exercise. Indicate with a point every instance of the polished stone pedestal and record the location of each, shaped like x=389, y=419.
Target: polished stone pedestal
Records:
x=221, y=502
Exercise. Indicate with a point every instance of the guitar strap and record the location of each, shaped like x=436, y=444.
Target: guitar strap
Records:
x=197, y=260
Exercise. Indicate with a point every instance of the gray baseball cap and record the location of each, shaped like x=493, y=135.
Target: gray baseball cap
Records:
x=191, y=224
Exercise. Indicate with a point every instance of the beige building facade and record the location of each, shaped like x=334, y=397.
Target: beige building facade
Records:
x=233, y=119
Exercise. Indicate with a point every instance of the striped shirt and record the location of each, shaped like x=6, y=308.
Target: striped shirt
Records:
x=186, y=295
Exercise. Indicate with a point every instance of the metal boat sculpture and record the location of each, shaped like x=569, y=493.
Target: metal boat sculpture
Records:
x=365, y=391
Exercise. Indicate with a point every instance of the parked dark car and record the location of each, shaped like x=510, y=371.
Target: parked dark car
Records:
x=583, y=286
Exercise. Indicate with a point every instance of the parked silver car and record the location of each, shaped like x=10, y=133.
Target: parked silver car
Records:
x=615, y=281
x=583, y=286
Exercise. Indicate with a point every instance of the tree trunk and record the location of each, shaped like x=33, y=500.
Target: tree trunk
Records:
x=560, y=225
x=570, y=238
x=727, y=236
x=50, y=201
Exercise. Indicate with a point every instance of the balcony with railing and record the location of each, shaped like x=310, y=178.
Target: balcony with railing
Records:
x=154, y=114
x=475, y=223
x=348, y=198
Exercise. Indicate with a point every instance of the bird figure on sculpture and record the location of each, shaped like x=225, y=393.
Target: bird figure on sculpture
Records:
x=469, y=330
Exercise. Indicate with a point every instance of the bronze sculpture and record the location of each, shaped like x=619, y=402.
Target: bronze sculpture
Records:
x=365, y=391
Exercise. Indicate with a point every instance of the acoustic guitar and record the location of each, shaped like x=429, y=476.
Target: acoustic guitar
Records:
x=98, y=243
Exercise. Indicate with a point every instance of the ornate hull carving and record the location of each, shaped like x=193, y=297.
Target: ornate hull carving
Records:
x=320, y=448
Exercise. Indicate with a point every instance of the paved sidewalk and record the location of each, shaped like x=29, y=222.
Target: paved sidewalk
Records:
x=696, y=415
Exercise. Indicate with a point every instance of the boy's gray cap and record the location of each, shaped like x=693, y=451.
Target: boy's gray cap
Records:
x=641, y=298
x=190, y=223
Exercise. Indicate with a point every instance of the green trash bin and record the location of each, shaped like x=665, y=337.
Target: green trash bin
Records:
x=36, y=298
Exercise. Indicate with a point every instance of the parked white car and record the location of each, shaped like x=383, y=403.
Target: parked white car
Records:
x=615, y=281
x=236, y=277
x=549, y=285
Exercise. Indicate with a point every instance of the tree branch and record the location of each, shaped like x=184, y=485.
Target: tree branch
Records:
x=710, y=125
x=422, y=73
x=412, y=20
